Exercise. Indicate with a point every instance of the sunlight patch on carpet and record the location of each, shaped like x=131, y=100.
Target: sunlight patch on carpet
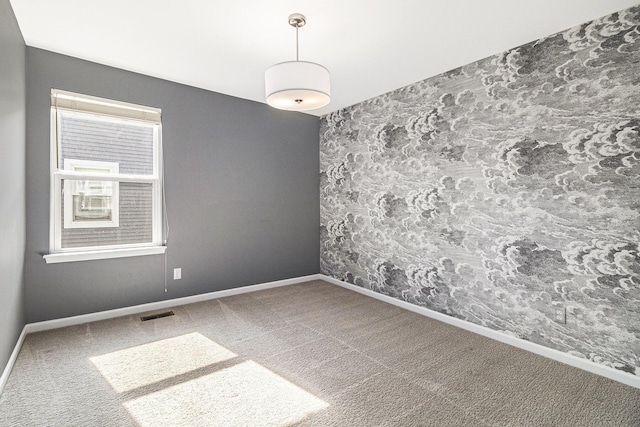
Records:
x=246, y=394
x=150, y=363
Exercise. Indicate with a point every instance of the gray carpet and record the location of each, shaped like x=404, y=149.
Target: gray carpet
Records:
x=312, y=354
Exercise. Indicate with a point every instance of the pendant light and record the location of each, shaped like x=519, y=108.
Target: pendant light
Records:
x=297, y=85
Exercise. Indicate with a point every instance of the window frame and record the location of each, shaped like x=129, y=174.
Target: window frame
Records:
x=103, y=109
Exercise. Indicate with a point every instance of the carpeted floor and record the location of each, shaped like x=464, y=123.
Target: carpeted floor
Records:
x=312, y=354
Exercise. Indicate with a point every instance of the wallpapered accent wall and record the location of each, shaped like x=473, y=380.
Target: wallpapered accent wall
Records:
x=501, y=191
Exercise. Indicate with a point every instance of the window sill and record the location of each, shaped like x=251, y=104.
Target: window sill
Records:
x=102, y=254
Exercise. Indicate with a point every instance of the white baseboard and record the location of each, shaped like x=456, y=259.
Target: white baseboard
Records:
x=12, y=359
x=569, y=359
x=159, y=305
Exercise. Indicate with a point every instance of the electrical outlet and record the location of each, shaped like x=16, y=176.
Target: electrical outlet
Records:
x=177, y=273
x=561, y=315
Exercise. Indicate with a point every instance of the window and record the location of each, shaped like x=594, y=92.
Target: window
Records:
x=106, y=180
x=95, y=203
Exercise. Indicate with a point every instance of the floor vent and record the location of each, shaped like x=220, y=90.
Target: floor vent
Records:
x=157, y=316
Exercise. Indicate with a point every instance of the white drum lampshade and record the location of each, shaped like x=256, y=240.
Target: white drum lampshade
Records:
x=297, y=86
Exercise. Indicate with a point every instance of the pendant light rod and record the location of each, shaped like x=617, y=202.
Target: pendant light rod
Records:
x=297, y=20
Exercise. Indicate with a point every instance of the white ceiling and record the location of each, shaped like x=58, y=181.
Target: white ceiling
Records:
x=370, y=46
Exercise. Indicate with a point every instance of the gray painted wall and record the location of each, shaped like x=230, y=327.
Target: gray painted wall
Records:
x=12, y=181
x=501, y=192
x=242, y=193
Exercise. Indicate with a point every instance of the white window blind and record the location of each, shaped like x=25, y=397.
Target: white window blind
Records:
x=106, y=174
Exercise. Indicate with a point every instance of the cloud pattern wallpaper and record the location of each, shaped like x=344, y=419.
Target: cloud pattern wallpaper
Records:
x=501, y=192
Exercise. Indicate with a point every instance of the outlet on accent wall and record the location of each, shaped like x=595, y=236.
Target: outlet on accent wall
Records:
x=177, y=273
x=561, y=315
